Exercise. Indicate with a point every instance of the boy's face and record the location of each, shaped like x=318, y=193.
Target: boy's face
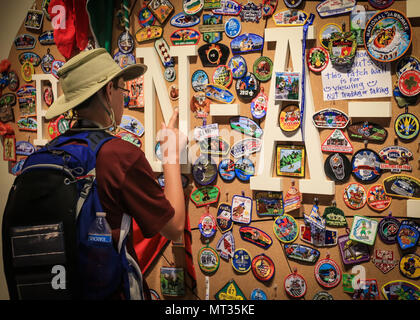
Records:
x=117, y=101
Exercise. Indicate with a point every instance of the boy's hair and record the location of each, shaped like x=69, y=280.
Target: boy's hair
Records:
x=85, y=104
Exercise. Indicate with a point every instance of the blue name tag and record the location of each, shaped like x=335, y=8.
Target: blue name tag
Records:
x=100, y=238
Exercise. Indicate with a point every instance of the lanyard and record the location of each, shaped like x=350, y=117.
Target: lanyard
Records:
x=302, y=107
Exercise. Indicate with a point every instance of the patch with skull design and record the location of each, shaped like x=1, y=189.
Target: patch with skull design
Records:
x=337, y=167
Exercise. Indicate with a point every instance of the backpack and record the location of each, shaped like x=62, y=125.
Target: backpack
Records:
x=49, y=210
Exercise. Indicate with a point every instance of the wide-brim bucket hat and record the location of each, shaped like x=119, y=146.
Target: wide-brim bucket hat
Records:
x=85, y=74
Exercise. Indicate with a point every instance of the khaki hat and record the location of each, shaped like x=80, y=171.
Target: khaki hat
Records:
x=85, y=74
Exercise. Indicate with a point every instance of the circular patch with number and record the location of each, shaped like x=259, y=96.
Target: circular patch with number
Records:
x=208, y=260
x=377, y=199
x=354, y=196
x=241, y=261
x=295, y=285
x=327, y=273
x=247, y=87
x=263, y=267
x=407, y=126
x=409, y=83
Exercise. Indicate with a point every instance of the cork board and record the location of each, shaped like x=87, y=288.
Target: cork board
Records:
x=174, y=255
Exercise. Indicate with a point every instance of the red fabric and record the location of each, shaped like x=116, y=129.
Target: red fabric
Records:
x=188, y=254
x=74, y=37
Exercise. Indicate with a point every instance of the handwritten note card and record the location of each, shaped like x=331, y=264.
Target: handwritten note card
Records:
x=364, y=80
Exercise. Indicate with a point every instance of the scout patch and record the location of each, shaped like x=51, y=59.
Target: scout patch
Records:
x=342, y=48
x=326, y=31
x=230, y=291
x=247, y=87
x=27, y=124
x=233, y=27
x=293, y=199
x=407, y=63
x=251, y=12
x=330, y=8
x=409, y=83
x=126, y=42
x=24, y=42
x=241, y=209
x=222, y=76
x=129, y=137
x=145, y=17
x=263, y=68
x=132, y=125
x=211, y=4
x=214, y=146
x=212, y=28
x=246, y=147
x=247, y=42
x=377, y=199
x=317, y=59
x=384, y=260
x=207, y=225
x=348, y=283
x=204, y=170
x=322, y=295
x=47, y=61
x=161, y=9
x=334, y=217
x=289, y=118
x=45, y=4
x=206, y=132
x=136, y=95
x=402, y=101
x=364, y=230
x=58, y=127
x=367, y=131
x=259, y=105
x=263, y=267
x=407, y=126
x=182, y=20
x=31, y=57
x=226, y=245
x=337, y=142
x=368, y=290
x=256, y=236
x=224, y=217
x=269, y=203
x=227, y=170
x=352, y=252
x=290, y=17
x=208, y=260
x=408, y=234
x=199, y=80
x=295, y=285
x=148, y=33
x=258, y=294
x=246, y=126
x=172, y=281
x=244, y=169
x=268, y=7
x=292, y=3
x=287, y=86
x=27, y=71
x=290, y=161
x=204, y=196
x=402, y=186
x=285, y=228
x=9, y=147
x=238, y=66
x=56, y=65
x=400, y=290
x=388, y=229
x=318, y=237
x=34, y=19
x=219, y=93
x=214, y=54
x=330, y=119
x=337, y=167
x=366, y=166
x=13, y=81
x=358, y=18
x=185, y=36
x=27, y=100
x=387, y=36
x=314, y=219
x=410, y=266
x=200, y=105
x=124, y=59
x=15, y=168
x=228, y=7
x=301, y=253
x=395, y=158
x=381, y=4
x=163, y=51
x=241, y=261
x=7, y=101
x=327, y=273
x=355, y=196
x=192, y=6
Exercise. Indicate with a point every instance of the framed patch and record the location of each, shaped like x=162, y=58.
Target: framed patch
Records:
x=287, y=86
x=364, y=230
x=172, y=281
x=290, y=161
